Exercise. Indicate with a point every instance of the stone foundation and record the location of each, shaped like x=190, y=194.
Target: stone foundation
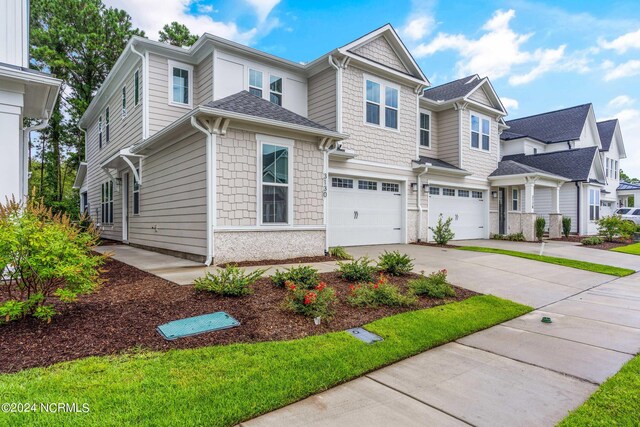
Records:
x=528, y=221
x=555, y=226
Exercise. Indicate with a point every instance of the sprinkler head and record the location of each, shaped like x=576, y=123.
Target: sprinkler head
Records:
x=546, y=320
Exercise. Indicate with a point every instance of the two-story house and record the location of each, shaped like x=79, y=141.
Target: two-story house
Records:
x=24, y=94
x=584, y=156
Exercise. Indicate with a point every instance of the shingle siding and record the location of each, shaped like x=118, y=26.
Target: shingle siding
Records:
x=322, y=98
x=480, y=163
x=380, y=51
x=480, y=96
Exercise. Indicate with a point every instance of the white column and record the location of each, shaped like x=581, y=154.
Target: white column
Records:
x=527, y=200
x=555, y=199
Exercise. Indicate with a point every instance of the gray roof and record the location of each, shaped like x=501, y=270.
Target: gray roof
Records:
x=606, y=129
x=628, y=186
x=245, y=103
x=554, y=126
x=452, y=90
x=573, y=164
x=438, y=163
x=511, y=167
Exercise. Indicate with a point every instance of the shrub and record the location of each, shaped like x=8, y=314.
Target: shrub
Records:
x=359, y=270
x=435, y=285
x=566, y=225
x=316, y=302
x=339, y=252
x=614, y=226
x=540, y=225
x=442, y=232
x=498, y=237
x=594, y=240
x=303, y=276
x=515, y=237
x=376, y=294
x=395, y=263
x=44, y=256
x=230, y=281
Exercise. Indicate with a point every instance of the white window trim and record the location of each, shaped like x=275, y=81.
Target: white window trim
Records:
x=516, y=192
x=283, y=142
x=123, y=101
x=596, y=203
x=481, y=117
x=383, y=83
x=354, y=183
x=428, y=113
x=135, y=104
x=174, y=64
x=281, y=93
x=249, y=86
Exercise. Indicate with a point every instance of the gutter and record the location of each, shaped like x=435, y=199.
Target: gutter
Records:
x=339, y=66
x=419, y=202
x=578, y=207
x=326, y=152
x=145, y=106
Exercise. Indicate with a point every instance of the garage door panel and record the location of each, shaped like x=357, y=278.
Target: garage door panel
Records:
x=468, y=214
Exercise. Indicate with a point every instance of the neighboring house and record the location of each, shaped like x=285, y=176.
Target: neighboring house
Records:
x=581, y=160
x=24, y=94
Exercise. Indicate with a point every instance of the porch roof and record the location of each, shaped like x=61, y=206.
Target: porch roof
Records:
x=510, y=172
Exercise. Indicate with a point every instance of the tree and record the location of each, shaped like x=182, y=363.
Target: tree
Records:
x=177, y=34
x=626, y=178
x=77, y=41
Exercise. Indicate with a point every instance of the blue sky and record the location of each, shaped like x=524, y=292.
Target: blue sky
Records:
x=540, y=56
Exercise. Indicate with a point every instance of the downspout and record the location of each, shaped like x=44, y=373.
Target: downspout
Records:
x=25, y=154
x=419, y=201
x=578, y=207
x=210, y=185
x=144, y=92
x=326, y=151
x=339, y=66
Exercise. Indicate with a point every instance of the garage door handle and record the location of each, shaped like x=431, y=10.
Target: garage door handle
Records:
x=355, y=214
x=398, y=228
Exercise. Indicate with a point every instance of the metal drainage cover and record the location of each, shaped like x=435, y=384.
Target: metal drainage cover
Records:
x=364, y=335
x=197, y=325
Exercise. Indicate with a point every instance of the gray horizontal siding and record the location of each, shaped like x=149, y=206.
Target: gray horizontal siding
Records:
x=448, y=136
x=322, y=98
x=161, y=114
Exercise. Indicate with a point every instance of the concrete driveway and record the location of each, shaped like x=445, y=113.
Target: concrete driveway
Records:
x=520, y=373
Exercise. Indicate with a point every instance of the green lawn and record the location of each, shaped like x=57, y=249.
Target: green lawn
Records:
x=581, y=265
x=633, y=249
x=615, y=403
x=224, y=385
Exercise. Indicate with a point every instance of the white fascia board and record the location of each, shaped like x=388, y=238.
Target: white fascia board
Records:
x=518, y=179
x=383, y=70
x=80, y=175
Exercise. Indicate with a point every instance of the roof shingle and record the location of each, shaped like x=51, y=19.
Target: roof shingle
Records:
x=606, y=130
x=245, y=103
x=511, y=167
x=554, y=126
x=452, y=90
x=573, y=164
x=438, y=163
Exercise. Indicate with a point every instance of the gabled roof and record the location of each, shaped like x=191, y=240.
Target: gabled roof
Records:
x=462, y=89
x=606, y=129
x=511, y=167
x=438, y=163
x=245, y=103
x=573, y=164
x=555, y=126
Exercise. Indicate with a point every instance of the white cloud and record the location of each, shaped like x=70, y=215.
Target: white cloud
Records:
x=630, y=126
x=509, y=103
x=417, y=27
x=623, y=43
x=498, y=51
x=621, y=101
x=152, y=15
x=626, y=69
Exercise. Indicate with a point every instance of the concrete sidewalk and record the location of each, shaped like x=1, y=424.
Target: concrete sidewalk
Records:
x=520, y=373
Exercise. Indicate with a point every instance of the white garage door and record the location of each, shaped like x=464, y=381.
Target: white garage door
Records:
x=365, y=212
x=465, y=206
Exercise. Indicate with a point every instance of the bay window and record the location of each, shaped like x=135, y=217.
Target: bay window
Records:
x=480, y=132
x=275, y=181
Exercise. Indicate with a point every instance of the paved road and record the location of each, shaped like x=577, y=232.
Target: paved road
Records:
x=520, y=373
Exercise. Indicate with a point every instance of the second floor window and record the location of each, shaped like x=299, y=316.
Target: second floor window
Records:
x=136, y=87
x=255, y=83
x=381, y=96
x=181, y=77
x=106, y=117
x=480, y=132
x=425, y=130
x=275, y=90
x=124, y=101
x=100, y=132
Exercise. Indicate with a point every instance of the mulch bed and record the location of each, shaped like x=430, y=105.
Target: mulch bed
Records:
x=604, y=246
x=300, y=260
x=435, y=245
x=124, y=313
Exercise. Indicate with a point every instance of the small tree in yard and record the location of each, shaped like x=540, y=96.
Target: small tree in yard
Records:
x=43, y=256
x=442, y=232
x=614, y=226
x=541, y=223
x=566, y=225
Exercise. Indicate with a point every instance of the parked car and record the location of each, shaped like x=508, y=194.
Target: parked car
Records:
x=631, y=214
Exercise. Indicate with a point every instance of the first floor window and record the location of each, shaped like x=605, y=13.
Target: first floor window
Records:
x=594, y=204
x=425, y=129
x=275, y=184
x=480, y=132
x=275, y=88
x=107, y=202
x=84, y=203
x=136, y=194
x=514, y=199
x=255, y=83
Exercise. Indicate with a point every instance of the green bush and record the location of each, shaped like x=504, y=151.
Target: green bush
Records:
x=614, y=226
x=303, y=276
x=566, y=225
x=230, y=281
x=590, y=241
x=498, y=237
x=395, y=263
x=381, y=293
x=541, y=223
x=515, y=237
x=358, y=270
x=435, y=285
x=339, y=252
x=316, y=302
x=442, y=232
x=44, y=256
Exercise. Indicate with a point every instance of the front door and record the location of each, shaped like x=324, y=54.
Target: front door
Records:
x=502, y=212
x=125, y=207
